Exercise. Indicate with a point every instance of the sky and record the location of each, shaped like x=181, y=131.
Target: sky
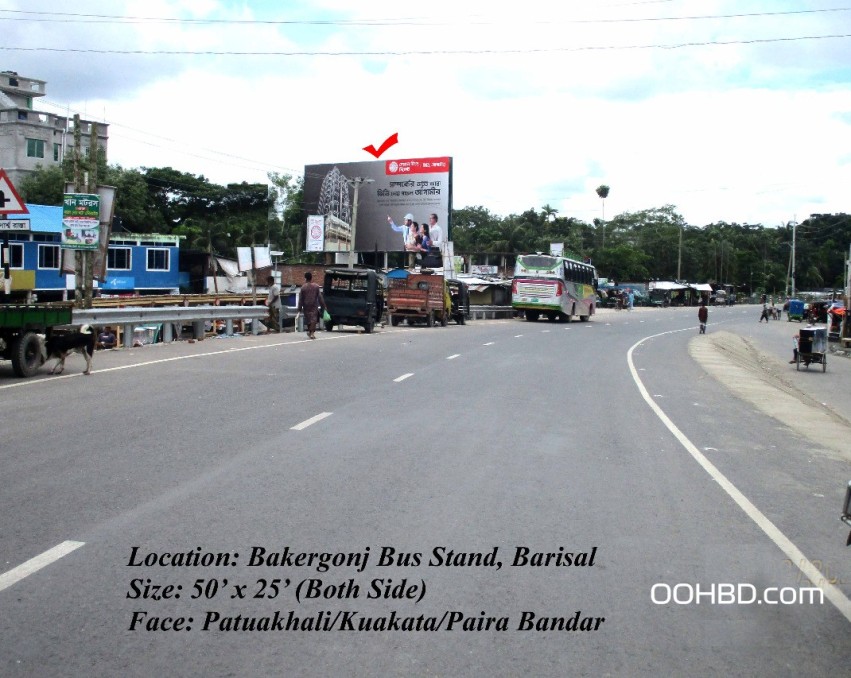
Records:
x=736, y=111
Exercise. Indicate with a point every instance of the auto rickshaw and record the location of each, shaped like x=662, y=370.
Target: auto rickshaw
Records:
x=353, y=296
x=796, y=310
x=812, y=347
x=460, y=296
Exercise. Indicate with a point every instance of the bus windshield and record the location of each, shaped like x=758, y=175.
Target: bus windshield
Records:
x=537, y=263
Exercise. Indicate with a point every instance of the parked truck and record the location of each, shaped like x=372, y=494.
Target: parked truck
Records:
x=20, y=325
x=353, y=297
x=417, y=297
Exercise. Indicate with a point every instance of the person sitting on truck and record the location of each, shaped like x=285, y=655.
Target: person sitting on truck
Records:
x=106, y=338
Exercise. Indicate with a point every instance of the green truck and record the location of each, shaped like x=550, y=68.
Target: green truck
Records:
x=20, y=326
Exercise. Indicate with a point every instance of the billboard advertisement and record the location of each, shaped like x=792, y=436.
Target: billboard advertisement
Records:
x=387, y=188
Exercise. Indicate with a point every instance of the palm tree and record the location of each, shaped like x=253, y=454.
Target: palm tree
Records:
x=548, y=212
x=603, y=193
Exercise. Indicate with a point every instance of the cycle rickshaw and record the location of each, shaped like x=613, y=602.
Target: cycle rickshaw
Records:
x=812, y=347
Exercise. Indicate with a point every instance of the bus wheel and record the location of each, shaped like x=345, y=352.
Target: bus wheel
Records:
x=584, y=318
x=532, y=316
x=552, y=317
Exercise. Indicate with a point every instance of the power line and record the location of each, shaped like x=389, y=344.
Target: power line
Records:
x=71, y=17
x=448, y=52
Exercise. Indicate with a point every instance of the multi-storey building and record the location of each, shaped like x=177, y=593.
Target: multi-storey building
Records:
x=29, y=138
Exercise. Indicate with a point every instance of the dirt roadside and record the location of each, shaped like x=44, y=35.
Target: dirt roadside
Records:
x=752, y=370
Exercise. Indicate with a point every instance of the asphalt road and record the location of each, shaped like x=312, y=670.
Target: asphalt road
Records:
x=430, y=470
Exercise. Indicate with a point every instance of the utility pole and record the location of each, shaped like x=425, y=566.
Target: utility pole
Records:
x=85, y=181
x=88, y=273
x=680, y=255
x=794, y=230
x=79, y=261
x=356, y=182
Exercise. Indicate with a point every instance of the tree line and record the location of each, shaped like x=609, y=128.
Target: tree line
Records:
x=651, y=244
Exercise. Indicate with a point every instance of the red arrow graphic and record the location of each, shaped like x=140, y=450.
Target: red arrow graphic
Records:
x=388, y=142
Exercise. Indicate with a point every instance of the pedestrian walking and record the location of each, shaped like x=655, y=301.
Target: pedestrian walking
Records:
x=703, y=316
x=309, y=302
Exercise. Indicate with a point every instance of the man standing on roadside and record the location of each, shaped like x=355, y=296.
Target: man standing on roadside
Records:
x=309, y=302
x=703, y=316
x=273, y=303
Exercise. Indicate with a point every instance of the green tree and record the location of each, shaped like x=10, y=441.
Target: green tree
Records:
x=44, y=186
x=289, y=224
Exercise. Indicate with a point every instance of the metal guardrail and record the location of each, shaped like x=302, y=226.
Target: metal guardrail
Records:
x=130, y=318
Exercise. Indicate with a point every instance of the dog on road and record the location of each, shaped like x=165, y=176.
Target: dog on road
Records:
x=60, y=346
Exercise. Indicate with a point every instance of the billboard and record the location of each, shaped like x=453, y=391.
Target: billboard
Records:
x=388, y=188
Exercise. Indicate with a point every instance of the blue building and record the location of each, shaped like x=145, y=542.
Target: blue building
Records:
x=136, y=263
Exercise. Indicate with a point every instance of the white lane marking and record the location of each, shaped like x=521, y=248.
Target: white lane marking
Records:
x=403, y=377
x=517, y=336
x=33, y=565
x=810, y=571
x=490, y=343
x=452, y=357
x=193, y=356
x=311, y=421
x=544, y=331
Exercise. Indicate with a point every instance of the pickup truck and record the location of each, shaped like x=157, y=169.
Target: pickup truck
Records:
x=417, y=297
x=20, y=325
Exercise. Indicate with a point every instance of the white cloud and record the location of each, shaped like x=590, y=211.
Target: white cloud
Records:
x=754, y=133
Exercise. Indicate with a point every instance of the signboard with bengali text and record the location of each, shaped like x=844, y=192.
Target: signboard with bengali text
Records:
x=390, y=188
x=81, y=221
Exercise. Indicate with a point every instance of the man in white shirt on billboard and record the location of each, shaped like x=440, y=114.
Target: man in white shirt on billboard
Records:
x=435, y=231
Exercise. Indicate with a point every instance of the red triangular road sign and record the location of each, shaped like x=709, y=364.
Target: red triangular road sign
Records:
x=10, y=201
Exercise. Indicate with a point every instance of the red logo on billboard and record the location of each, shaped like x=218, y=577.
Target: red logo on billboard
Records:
x=416, y=166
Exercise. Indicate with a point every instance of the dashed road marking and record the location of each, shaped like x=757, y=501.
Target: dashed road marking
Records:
x=309, y=422
x=33, y=565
